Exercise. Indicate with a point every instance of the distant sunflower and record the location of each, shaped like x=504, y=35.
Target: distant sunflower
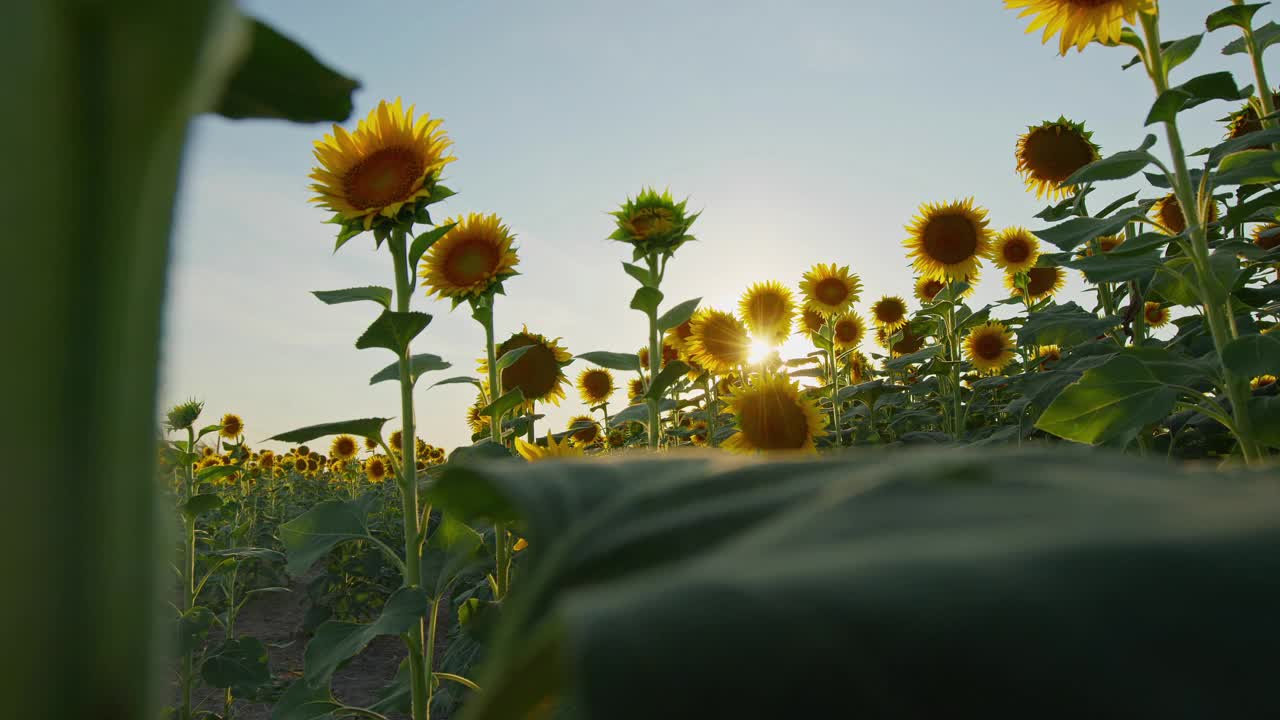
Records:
x=989, y=347
x=889, y=312
x=927, y=288
x=719, y=341
x=1246, y=120
x=767, y=309
x=370, y=444
x=1267, y=236
x=377, y=468
x=1155, y=314
x=1048, y=355
x=1106, y=244
x=830, y=289
x=859, y=367
x=1167, y=215
x=472, y=258
x=947, y=240
x=772, y=415
x=344, y=447
x=539, y=373
x=552, y=450
x=669, y=353
x=809, y=322
x=587, y=433
x=1079, y=22
x=1262, y=381
x=849, y=331
x=232, y=426
x=1042, y=282
x=652, y=222
x=1015, y=249
x=910, y=342
x=595, y=386
x=267, y=459
x=1051, y=152
x=395, y=441
x=390, y=161
x=635, y=391
x=475, y=421
x=678, y=336
x=617, y=438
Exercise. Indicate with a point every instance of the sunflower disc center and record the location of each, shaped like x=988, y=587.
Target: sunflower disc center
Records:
x=950, y=239
x=831, y=291
x=387, y=176
x=772, y=421
x=1054, y=155
x=471, y=263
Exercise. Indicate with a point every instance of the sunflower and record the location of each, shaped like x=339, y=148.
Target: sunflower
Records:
x=390, y=161
x=989, y=347
x=267, y=459
x=344, y=447
x=475, y=421
x=617, y=438
x=586, y=431
x=1262, y=381
x=1156, y=315
x=771, y=415
x=927, y=288
x=1246, y=120
x=946, y=240
x=595, y=386
x=1015, y=249
x=767, y=308
x=1051, y=152
x=719, y=341
x=377, y=468
x=539, y=373
x=1166, y=214
x=635, y=391
x=1042, y=282
x=552, y=450
x=678, y=336
x=1048, y=355
x=1106, y=244
x=849, y=331
x=206, y=452
x=652, y=222
x=809, y=322
x=830, y=290
x=909, y=342
x=472, y=259
x=370, y=444
x=231, y=427
x=669, y=354
x=859, y=367
x=1267, y=236
x=889, y=312
x=1079, y=22
x=395, y=441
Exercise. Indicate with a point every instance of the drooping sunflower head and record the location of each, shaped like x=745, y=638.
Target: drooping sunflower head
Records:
x=1079, y=22
x=635, y=391
x=595, y=386
x=1049, y=153
x=232, y=426
x=849, y=331
x=678, y=336
x=1166, y=214
x=719, y=341
x=395, y=441
x=989, y=347
x=927, y=288
x=653, y=222
x=771, y=416
x=1042, y=282
x=377, y=468
x=471, y=260
x=586, y=431
x=344, y=447
x=859, y=367
x=539, y=372
x=1246, y=120
x=830, y=289
x=767, y=309
x=1262, y=381
x=1015, y=250
x=1266, y=236
x=391, y=162
x=1048, y=355
x=889, y=312
x=1155, y=314
x=617, y=438
x=809, y=322
x=552, y=450
x=947, y=240
x=370, y=444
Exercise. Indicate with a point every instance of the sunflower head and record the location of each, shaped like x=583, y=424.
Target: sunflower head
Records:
x=1079, y=22
x=183, y=415
x=552, y=450
x=377, y=468
x=635, y=391
x=232, y=426
x=669, y=354
x=989, y=347
x=1262, y=381
x=653, y=222
x=771, y=415
x=1166, y=214
x=1049, y=153
x=1246, y=120
x=830, y=289
x=617, y=438
x=947, y=240
x=585, y=431
x=389, y=165
x=849, y=331
x=927, y=288
x=719, y=341
x=1041, y=282
x=1015, y=249
x=767, y=309
x=678, y=336
x=595, y=386
x=395, y=441
x=889, y=312
x=1155, y=314
x=809, y=322
x=1047, y=356
x=539, y=372
x=471, y=260
x=1105, y=244
x=344, y=447
x=1267, y=236
x=859, y=367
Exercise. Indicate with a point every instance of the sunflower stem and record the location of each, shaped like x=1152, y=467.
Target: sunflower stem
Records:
x=835, y=381
x=1265, y=100
x=655, y=356
x=709, y=392
x=189, y=569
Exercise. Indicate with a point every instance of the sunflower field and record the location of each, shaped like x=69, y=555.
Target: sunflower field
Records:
x=1037, y=506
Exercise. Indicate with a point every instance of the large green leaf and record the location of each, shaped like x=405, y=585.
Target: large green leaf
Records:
x=1063, y=325
x=1110, y=403
x=336, y=642
x=311, y=535
x=1264, y=414
x=612, y=360
x=202, y=503
x=1264, y=36
x=423, y=242
x=646, y=300
x=1250, y=167
x=1194, y=92
x=393, y=331
x=1077, y=231
x=1112, y=267
x=418, y=364
x=678, y=314
x=380, y=295
x=1237, y=15
x=453, y=548
x=281, y=79
x=304, y=702
x=1252, y=355
x=1113, y=167
x=364, y=427
x=239, y=664
x=667, y=377
x=505, y=404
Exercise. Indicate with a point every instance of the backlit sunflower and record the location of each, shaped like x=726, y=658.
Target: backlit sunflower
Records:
x=809, y=322
x=267, y=459
x=344, y=447
x=539, y=373
x=635, y=391
x=552, y=450
x=767, y=308
x=595, y=386
x=370, y=444
x=586, y=431
x=1267, y=236
x=1049, y=153
x=910, y=341
x=1155, y=314
x=849, y=331
x=1048, y=355
x=652, y=222
x=927, y=288
x=772, y=415
x=859, y=367
x=1167, y=215
x=678, y=336
x=719, y=341
x=389, y=162
x=1042, y=282
x=1079, y=22
x=232, y=426
x=889, y=312
x=377, y=468
x=1106, y=244
x=395, y=441
x=1262, y=381
x=830, y=289
x=1015, y=249
x=669, y=353
x=947, y=240
x=989, y=347
x=471, y=259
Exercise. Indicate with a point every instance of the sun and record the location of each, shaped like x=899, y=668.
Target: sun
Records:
x=760, y=349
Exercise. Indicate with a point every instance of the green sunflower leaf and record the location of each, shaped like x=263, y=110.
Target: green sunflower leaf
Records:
x=365, y=427
x=503, y=405
x=1195, y=92
x=423, y=243
x=419, y=364
x=393, y=331
x=614, y=361
x=678, y=314
x=1235, y=15
x=374, y=293
x=646, y=300
x=1250, y=167
x=1110, y=403
x=665, y=379
x=1264, y=37
x=510, y=357
x=1252, y=355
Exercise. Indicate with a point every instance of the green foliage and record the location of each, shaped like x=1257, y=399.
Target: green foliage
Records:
x=418, y=364
x=380, y=295
x=1110, y=403
x=281, y=79
x=393, y=331
x=365, y=427
x=310, y=536
x=612, y=360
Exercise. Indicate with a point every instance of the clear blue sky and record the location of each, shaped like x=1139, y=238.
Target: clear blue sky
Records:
x=805, y=131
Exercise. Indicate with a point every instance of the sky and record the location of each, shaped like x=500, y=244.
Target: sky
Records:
x=804, y=132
